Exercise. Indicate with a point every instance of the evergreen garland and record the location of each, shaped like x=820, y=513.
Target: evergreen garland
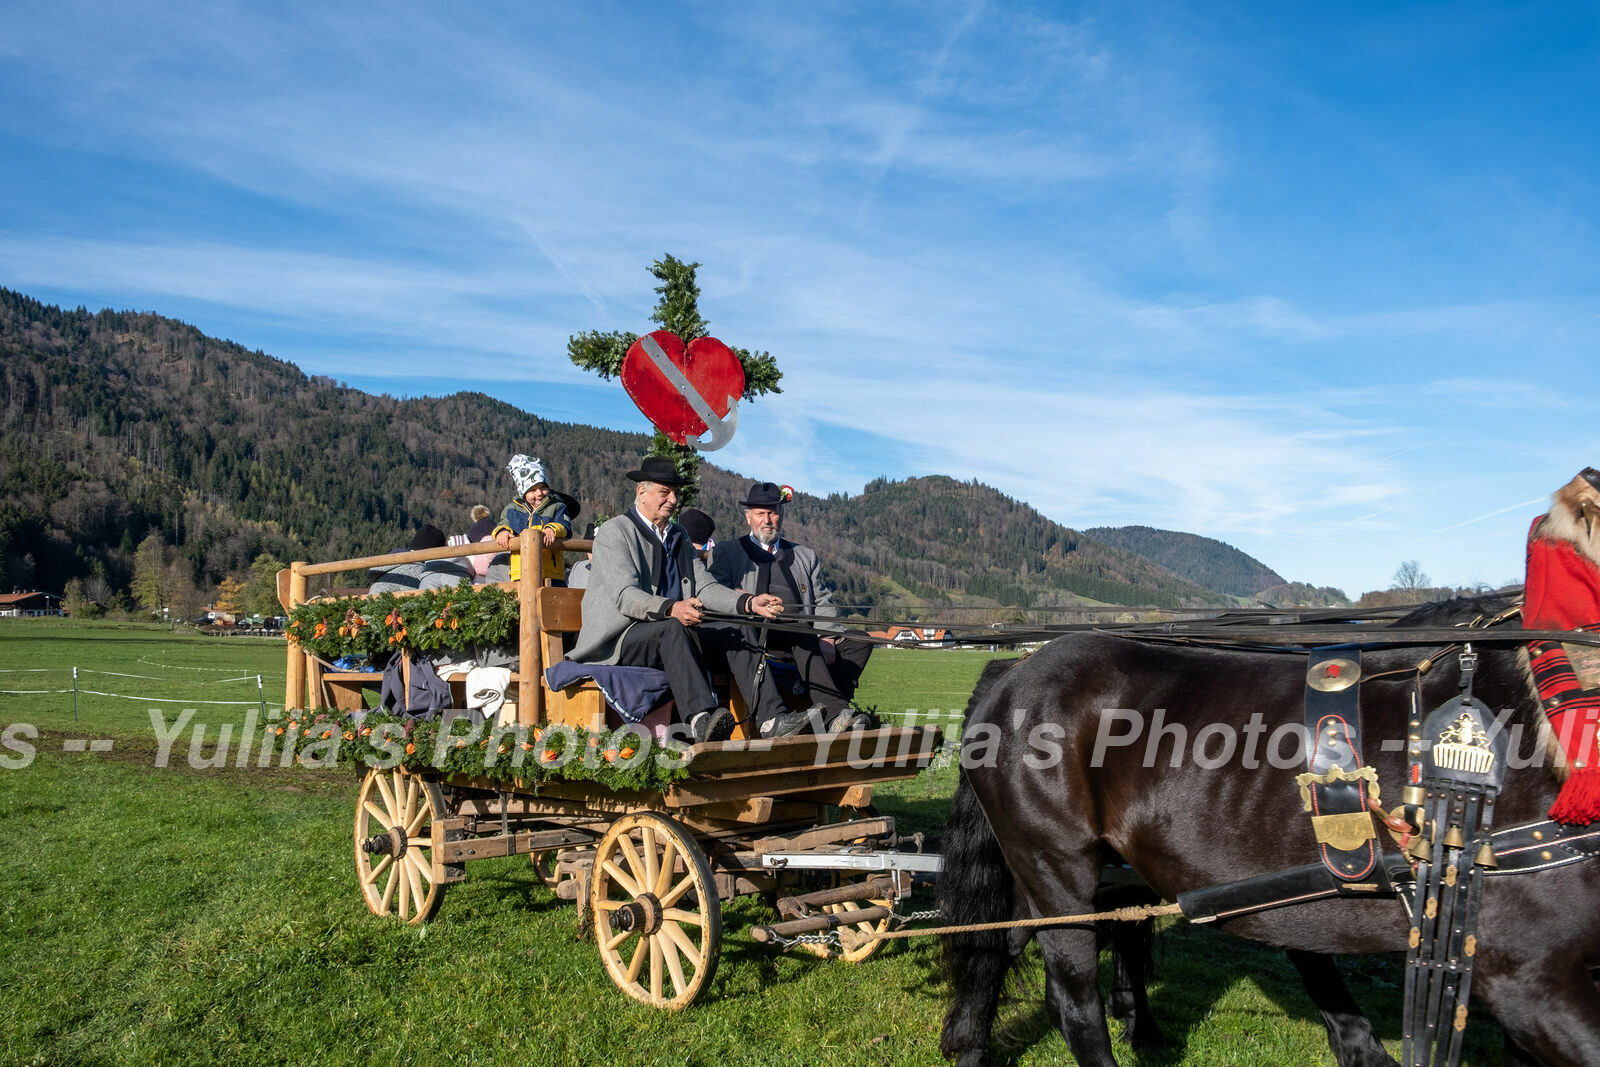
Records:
x=518, y=756
x=429, y=621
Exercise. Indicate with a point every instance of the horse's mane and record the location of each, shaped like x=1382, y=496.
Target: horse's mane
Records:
x=1459, y=609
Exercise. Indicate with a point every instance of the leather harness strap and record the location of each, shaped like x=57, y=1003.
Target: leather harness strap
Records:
x=1336, y=788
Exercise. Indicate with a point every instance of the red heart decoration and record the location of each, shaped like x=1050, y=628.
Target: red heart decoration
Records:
x=711, y=368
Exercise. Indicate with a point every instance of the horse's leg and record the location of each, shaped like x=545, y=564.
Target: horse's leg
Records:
x=1132, y=968
x=1349, y=1033
x=974, y=887
x=1072, y=993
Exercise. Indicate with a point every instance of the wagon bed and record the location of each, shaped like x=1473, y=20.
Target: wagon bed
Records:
x=790, y=818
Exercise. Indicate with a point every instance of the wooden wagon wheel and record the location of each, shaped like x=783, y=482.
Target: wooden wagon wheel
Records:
x=394, y=844
x=657, y=917
x=868, y=949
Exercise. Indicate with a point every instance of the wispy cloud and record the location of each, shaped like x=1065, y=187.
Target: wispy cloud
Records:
x=1136, y=265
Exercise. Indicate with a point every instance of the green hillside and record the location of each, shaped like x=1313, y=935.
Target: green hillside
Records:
x=119, y=424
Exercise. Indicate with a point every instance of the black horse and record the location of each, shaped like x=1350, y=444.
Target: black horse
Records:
x=1350, y=1034
x=1029, y=833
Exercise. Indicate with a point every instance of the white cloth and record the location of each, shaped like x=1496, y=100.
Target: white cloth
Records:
x=486, y=688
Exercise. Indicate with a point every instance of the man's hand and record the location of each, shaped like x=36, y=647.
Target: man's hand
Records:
x=688, y=611
x=767, y=605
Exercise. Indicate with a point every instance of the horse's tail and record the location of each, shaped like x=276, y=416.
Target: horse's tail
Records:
x=975, y=886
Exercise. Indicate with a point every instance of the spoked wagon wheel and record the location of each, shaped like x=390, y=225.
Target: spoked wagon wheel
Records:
x=657, y=918
x=394, y=844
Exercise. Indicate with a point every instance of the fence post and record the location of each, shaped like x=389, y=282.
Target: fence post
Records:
x=74, y=694
x=261, y=697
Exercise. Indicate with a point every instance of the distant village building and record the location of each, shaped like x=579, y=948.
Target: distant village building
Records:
x=13, y=605
x=926, y=636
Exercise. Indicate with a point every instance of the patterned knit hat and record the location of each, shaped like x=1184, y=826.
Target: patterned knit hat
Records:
x=527, y=472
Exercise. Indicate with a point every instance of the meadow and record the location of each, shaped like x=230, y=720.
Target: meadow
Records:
x=176, y=915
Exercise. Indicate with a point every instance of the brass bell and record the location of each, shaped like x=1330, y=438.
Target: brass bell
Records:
x=1486, y=857
x=1420, y=848
x=1453, y=838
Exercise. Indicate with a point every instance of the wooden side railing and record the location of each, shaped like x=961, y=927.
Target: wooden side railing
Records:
x=292, y=585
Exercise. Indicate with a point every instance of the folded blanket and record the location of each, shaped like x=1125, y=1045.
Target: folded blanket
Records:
x=633, y=691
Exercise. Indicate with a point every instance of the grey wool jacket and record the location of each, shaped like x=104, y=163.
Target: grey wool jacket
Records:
x=732, y=566
x=621, y=589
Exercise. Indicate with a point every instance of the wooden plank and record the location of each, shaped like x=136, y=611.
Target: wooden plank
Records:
x=695, y=792
x=515, y=844
x=728, y=759
x=583, y=706
x=854, y=796
x=836, y=833
x=561, y=610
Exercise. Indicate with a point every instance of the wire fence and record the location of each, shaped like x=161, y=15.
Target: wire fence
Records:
x=78, y=689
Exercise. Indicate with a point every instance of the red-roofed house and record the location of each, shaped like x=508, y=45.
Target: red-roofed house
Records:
x=14, y=604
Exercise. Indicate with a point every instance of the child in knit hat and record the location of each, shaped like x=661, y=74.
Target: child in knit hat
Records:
x=536, y=506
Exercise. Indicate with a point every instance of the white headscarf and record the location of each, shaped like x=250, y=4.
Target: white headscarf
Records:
x=527, y=472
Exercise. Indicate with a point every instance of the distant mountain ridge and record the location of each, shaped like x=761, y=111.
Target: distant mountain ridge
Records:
x=1215, y=565
x=117, y=424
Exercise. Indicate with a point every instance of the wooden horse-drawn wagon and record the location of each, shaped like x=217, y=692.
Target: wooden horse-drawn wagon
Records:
x=649, y=868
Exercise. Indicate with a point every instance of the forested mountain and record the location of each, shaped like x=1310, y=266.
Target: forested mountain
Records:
x=1215, y=565
x=119, y=424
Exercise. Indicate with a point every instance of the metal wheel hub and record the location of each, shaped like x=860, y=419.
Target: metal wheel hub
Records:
x=392, y=843
x=643, y=914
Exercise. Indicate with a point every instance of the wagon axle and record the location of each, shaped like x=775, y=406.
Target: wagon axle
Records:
x=643, y=915
x=392, y=843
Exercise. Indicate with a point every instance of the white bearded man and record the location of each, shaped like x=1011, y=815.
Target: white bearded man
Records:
x=763, y=561
x=1563, y=593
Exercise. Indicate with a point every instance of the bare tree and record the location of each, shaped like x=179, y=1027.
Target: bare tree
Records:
x=1409, y=577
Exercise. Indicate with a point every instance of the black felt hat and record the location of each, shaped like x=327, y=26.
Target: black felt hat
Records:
x=763, y=495
x=429, y=536
x=697, y=524
x=658, y=469
x=1590, y=475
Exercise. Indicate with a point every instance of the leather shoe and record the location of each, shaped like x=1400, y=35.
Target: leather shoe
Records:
x=714, y=725
x=853, y=719
x=786, y=724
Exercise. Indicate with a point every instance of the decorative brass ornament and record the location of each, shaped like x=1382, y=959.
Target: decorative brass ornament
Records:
x=1334, y=675
x=1463, y=746
x=1368, y=775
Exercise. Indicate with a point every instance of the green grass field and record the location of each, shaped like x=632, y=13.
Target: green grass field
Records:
x=177, y=916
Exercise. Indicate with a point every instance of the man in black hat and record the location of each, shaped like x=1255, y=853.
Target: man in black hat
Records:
x=763, y=561
x=646, y=596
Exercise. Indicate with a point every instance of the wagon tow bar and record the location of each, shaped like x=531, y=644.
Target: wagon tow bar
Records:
x=815, y=919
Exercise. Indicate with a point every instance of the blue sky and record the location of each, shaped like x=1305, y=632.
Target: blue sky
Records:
x=1317, y=280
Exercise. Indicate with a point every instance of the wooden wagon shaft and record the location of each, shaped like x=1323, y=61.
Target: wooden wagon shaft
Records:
x=800, y=907
x=817, y=923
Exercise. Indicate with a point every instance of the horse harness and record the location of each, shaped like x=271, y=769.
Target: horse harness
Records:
x=1444, y=827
